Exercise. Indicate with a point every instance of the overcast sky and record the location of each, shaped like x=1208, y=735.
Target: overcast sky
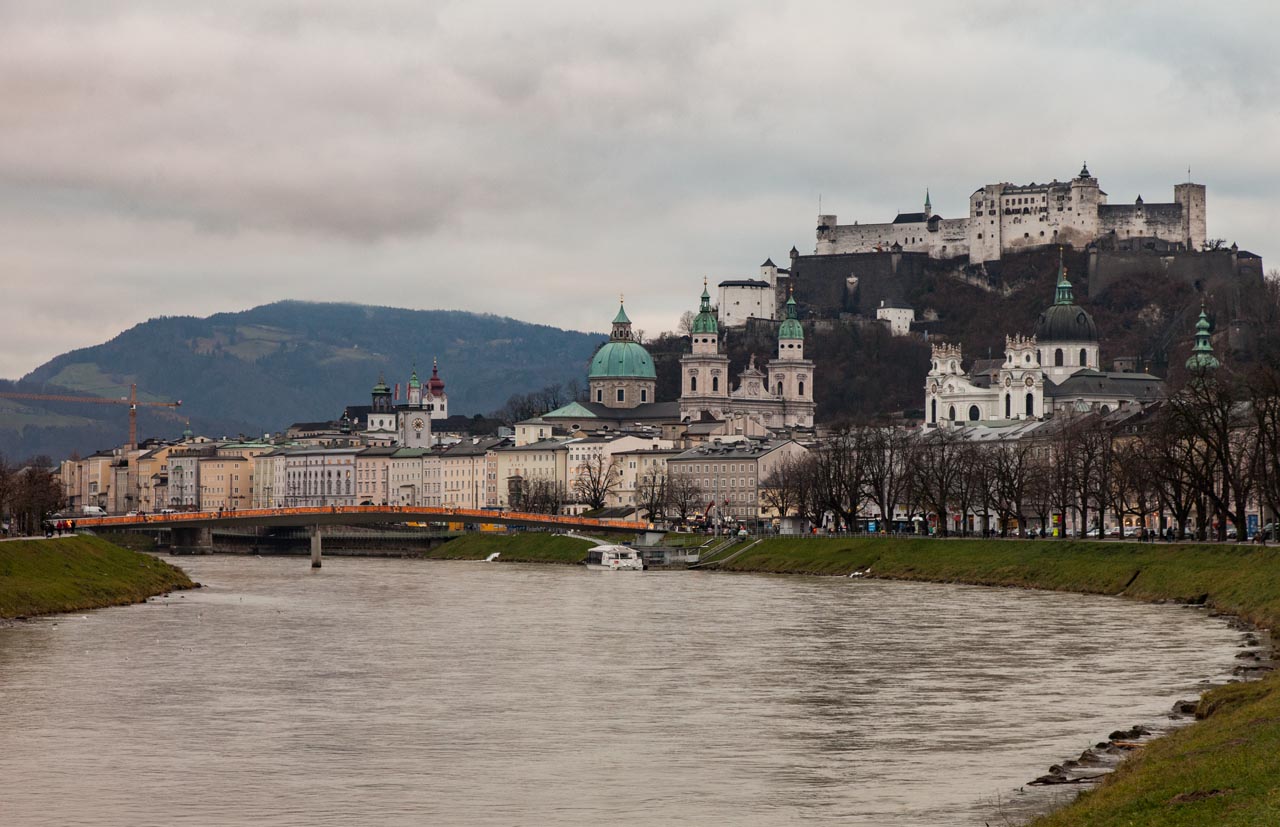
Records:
x=537, y=159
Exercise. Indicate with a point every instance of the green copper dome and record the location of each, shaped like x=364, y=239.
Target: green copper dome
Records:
x=622, y=360
x=413, y=379
x=622, y=357
x=790, y=327
x=381, y=387
x=705, y=321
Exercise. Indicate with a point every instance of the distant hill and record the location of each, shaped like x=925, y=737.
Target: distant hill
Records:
x=260, y=370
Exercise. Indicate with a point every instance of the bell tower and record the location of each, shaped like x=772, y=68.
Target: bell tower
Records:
x=704, y=373
x=791, y=375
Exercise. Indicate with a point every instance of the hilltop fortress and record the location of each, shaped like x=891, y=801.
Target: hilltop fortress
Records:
x=1006, y=218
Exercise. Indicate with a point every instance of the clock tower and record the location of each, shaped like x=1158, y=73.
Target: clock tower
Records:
x=415, y=428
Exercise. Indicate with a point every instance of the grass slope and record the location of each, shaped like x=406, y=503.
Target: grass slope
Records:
x=1242, y=580
x=1223, y=771
x=530, y=547
x=76, y=573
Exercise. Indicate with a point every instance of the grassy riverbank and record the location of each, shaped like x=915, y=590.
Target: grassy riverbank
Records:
x=1243, y=580
x=521, y=547
x=71, y=574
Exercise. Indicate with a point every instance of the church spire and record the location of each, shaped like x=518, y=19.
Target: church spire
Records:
x=928, y=207
x=705, y=322
x=1063, y=294
x=1202, y=357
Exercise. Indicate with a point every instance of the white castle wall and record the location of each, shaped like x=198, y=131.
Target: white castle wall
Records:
x=1006, y=218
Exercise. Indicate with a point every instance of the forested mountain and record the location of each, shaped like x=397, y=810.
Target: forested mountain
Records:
x=260, y=370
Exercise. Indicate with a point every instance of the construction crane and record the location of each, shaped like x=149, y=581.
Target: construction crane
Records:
x=131, y=401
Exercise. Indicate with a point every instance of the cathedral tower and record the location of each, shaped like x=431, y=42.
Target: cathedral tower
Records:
x=704, y=373
x=791, y=375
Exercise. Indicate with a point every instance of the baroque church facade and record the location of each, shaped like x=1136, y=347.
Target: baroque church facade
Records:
x=780, y=396
x=1058, y=368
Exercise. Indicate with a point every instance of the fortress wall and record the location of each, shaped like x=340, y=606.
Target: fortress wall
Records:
x=951, y=234
x=1203, y=271
x=1146, y=220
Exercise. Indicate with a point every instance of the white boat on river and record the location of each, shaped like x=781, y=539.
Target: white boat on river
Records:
x=614, y=558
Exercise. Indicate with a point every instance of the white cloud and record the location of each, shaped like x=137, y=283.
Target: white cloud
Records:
x=537, y=159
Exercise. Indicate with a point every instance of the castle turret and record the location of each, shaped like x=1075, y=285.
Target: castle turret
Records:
x=928, y=207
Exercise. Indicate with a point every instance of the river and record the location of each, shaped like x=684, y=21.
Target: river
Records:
x=404, y=692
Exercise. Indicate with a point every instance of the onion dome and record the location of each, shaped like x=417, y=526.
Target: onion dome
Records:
x=435, y=384
x=1202, y=357
x=622, y=357
x=1064, y=320
x=381, y=388
x=790, y=327
x=705, y=321
x=413, y=379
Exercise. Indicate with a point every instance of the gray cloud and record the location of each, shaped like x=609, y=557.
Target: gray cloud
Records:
x=537, y=159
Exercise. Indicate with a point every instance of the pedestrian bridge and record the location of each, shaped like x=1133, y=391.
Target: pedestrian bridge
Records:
x=193, y=529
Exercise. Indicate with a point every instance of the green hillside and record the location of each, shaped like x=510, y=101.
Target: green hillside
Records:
x=261, y=369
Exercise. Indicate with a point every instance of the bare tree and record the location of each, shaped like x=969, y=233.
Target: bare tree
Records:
x=685, y=326
x=597, y=478
x=781, y=490
x=652, y=494
x=683, y=495
x=889, y=456
x=935, y=475
x=1012, y=470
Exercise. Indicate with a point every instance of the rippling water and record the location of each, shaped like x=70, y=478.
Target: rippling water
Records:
x=412, y=692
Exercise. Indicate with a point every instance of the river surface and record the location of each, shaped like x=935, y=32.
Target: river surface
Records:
x=403, y=692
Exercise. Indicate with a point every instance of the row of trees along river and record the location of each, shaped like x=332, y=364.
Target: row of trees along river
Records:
x=1204, y=457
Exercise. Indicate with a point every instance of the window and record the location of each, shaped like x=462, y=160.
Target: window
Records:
x=1057, y=358
x=974, y=413
x=599, y=395
x=1031, y=405
x=622, y=395
x=644, y=395
x=1084, y=358
x=715, y=384
x=933, y=411
x=693, y=383
x=802, y=388
x=1008, y=406
x=952, y=413
x=779, y=387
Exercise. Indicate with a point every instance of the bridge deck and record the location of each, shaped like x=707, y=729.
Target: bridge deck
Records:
x=356, y=515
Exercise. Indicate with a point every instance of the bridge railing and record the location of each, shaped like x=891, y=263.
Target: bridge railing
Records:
x=468, y=515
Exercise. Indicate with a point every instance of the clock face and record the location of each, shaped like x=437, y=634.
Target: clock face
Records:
x=418, y=424
x=1029, y=381
x=1008, y=381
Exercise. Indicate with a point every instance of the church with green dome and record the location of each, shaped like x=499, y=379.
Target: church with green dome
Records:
x=780, y=397
x=622, y=373
x=1056, y=369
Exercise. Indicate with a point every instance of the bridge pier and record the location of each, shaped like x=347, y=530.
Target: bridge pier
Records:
x=317, y=545
x=191, y=540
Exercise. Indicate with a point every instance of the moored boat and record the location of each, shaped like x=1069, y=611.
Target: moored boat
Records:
x=614, y=558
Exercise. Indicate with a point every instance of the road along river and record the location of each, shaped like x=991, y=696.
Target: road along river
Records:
x=408, y=692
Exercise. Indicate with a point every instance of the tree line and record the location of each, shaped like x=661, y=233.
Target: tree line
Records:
x=1196, y=463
